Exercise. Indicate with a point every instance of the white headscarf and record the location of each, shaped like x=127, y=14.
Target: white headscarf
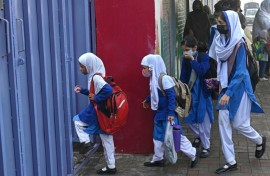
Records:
x=212, y=48
x=262, y=18
x=157, y=66
x=224, y=46
x=93, y=65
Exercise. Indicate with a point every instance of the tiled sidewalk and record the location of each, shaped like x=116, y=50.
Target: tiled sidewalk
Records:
x=132, y=165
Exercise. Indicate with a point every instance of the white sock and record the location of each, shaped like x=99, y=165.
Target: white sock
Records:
x=193, y=158
x=111, y=166
x=231, y=163
x=259, y=148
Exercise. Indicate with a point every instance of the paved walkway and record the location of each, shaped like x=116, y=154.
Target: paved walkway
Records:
x=132, y=165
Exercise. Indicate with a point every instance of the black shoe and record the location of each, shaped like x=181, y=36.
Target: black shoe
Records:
x=198, y=151
x=259, y=153
x=154, y=163
x=196, y=143
x=194, y=163
x=87, y=147
x=108, y=171
x=229, y=168
x=204, y=153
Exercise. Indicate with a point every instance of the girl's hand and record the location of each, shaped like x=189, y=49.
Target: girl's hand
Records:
x=224, y=100
x=146, y=105
x=211, y=83
x=188, y=56
x=77, y=89
x=91, y=97
x=170, y=118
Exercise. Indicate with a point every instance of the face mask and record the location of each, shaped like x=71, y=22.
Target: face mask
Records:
x=221, y=29
x=146, y=73
x=190, y=52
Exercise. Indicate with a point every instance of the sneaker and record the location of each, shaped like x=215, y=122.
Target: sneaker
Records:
x=196, y=143
x=87, y=147
x=106, y=171
x=154, y=163
x=204, y=153
x=263, y=79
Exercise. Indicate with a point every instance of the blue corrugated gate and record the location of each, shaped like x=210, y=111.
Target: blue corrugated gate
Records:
x=40, y=41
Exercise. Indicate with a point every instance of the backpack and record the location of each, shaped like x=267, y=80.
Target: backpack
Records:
x=252, y=68
x=258, y=47
x=250, y=64
x=183, y=96
x=112, y=114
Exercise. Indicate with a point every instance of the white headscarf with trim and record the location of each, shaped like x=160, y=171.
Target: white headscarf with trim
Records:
x=224, y=46
x=93, y=65
x=156, y=66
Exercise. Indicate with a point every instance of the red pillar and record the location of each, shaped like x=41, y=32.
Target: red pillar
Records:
x=125, y=34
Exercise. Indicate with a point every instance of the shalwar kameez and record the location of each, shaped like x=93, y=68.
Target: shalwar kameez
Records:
x=201, y=114
x=86, y=122
x=238, y=87
x=164, y=107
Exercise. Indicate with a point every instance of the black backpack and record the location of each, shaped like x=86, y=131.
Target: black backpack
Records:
x=252, y=68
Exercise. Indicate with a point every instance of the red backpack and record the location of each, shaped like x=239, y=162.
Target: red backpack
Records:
x=112, y=114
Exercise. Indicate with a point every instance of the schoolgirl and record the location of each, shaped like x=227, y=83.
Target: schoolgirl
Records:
x=153, y=66
x=86, y=122
x=194, y=71
x=236, y=99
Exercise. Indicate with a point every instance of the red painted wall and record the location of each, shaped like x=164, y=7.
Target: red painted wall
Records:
x=125, y=34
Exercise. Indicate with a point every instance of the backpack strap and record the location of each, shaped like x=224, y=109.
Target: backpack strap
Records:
x=92, y=86
x=232, y=58
x=160, y=83
x=247, y=53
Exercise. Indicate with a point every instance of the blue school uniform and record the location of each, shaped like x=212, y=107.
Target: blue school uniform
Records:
x=239, y=82
x=201, y=96
x=89, y=115
x=166, y=107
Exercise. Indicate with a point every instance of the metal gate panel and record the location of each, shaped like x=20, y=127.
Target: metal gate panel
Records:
x=39, y=75
x=57, y=86
x=80, y=25
x=28, y=135
x=21, y=130
x=6, y=137
x=47, y=86
x=68, y=74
